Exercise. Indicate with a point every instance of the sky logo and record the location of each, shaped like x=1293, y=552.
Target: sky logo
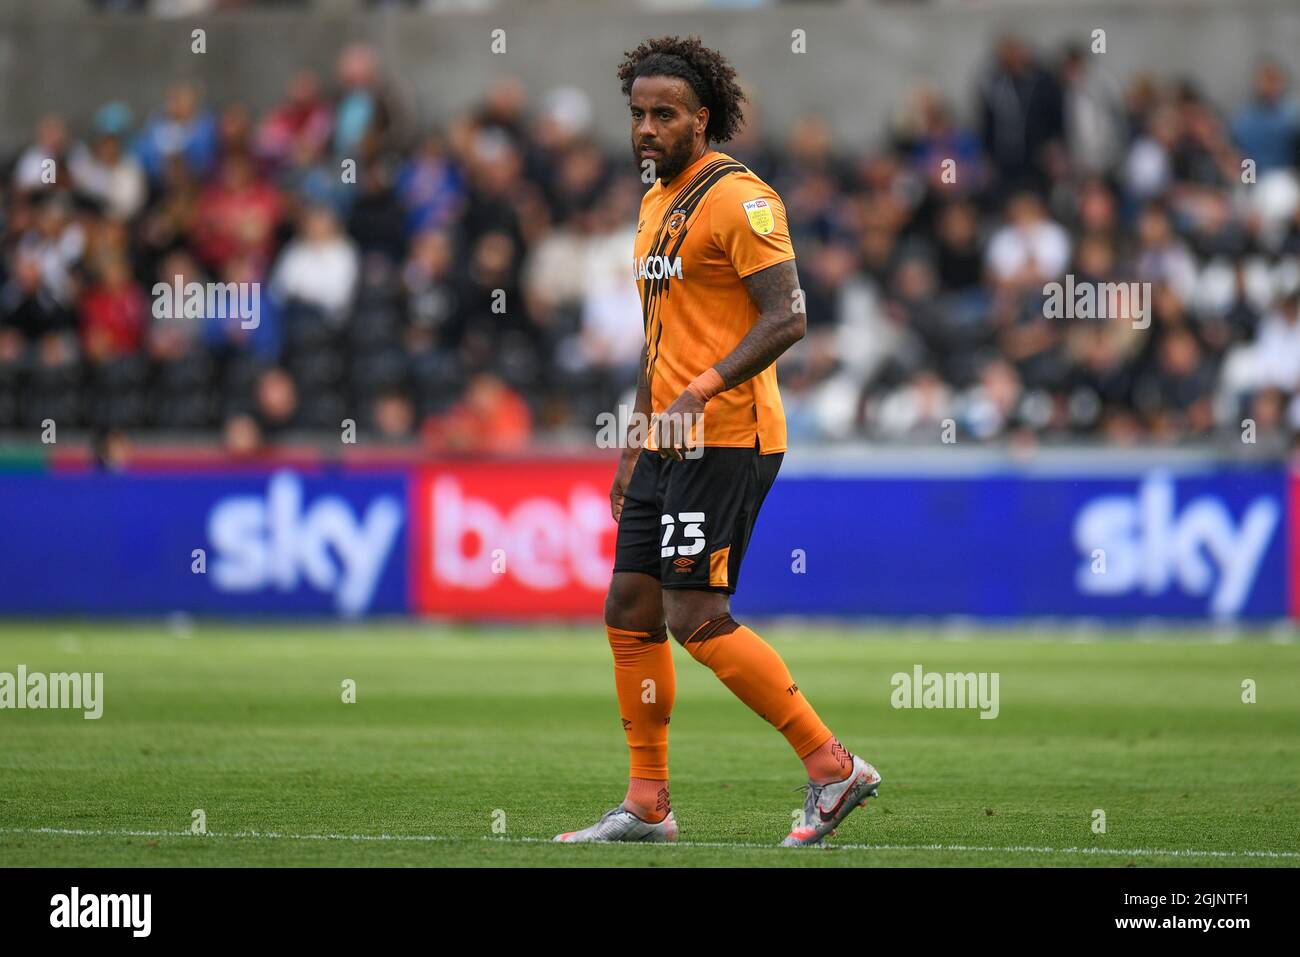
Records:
x=276, y=541
x=1143, y=542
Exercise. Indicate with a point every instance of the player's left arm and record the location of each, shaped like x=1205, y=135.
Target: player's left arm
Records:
x=781, y=323
x=748, y=223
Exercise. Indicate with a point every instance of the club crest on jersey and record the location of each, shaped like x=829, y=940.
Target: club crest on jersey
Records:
x=676, y=221
x=656, y=267
x=760, y=216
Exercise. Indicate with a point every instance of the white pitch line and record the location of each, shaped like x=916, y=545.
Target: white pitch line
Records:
x=431, y=838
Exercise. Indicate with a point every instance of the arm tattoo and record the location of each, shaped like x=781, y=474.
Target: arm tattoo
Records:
x=778, y=328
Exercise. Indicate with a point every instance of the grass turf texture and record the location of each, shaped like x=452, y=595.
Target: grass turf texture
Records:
x=247, y=724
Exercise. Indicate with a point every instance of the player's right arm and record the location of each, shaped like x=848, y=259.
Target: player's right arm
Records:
x=631, y=443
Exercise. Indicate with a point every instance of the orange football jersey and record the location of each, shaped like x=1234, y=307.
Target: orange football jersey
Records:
x=697, y=238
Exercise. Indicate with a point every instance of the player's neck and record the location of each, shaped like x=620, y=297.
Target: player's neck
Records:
x=704, y=151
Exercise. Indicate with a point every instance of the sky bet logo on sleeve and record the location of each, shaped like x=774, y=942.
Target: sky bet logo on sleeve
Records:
x=760, y=216
x=1153, y=544
x=285, y=540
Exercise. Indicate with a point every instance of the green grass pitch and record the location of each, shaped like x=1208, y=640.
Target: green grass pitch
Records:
x=458, y=733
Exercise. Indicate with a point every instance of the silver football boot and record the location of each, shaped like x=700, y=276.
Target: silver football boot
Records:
x=620, y=824
x=826, y=805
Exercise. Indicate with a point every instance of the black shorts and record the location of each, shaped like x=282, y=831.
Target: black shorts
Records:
x=688, y=523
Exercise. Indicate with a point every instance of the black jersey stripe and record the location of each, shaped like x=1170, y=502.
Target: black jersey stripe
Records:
x=687, y=199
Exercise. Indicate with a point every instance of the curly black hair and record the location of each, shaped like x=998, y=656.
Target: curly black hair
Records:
x=705, y=71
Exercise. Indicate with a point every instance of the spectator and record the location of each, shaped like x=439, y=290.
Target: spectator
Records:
x=1030, y=249
x=491, y=418
x=263, y=336
x=1020, y=112
x=56, y=241
x=105, y=172
x=611, y=331
x=1093, y=121
x=1148, y=166
x=959, y=256
x=183, y=129
x=299, y=126
x=1175, y=395
x=945, y=156
x=276, y=409
x=917, y=409
x=172, y=336
x=1277, y=350
x=365, y=116
x=29, y=311
x=990, y=407
x=320, y=267
x=490, y=306
x=235, y=131
x=431, y=293
x=393, y=416
x=430, y=186
x=236, y=215
x=376, y=219
x=114, y=314
x=1161, y=257
x=241, y=436
x=1267, y=129
x=40, y=165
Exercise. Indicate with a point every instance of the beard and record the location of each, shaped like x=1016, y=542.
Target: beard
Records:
x=675, y=158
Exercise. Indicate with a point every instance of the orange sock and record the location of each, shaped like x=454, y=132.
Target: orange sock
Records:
x=755, y=673
x=831, y=762
x=647, y=799
x=647, y=687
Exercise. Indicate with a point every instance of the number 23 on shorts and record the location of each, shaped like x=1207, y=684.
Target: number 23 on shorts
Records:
x=691, y=531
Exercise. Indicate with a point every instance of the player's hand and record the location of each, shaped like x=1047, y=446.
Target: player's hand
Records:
x=676, y=427
x=624, y=475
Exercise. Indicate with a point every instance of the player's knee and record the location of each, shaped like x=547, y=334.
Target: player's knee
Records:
x=630, y=606
x=685, y=624
x=681, y=622
x=679, y=631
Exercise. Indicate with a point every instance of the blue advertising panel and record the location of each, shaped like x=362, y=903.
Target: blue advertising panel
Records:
x=1196, y=545
x=282, y=542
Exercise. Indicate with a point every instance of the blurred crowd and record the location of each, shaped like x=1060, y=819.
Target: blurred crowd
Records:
x=468, y=287
x=927, y=261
